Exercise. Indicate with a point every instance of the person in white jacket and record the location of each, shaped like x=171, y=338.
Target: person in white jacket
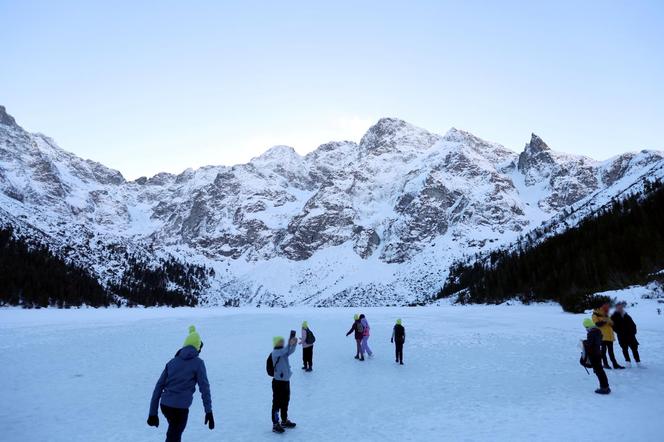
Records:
x=307, y=341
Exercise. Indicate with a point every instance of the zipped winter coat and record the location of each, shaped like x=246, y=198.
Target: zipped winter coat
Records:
x=594, y=342
x=624, y=327
x=282, y=368
x=604, y=323
x=177, y=384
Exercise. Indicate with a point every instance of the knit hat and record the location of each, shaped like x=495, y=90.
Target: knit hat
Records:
x=588, y=323
x=277, y=340
x=193, y=339
x=305, y=324
x=399, y=321
x=356, y=316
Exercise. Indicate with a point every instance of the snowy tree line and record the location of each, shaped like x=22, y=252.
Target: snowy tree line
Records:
x=619, y=246
x=31, y=275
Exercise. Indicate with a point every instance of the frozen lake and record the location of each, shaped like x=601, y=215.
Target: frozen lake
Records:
x=472, y=373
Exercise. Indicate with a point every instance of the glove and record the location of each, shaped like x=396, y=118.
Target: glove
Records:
x=153, y=421
x=209, y=420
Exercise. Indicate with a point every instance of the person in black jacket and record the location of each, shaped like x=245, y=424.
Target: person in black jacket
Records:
x=398, y=339
x=358, y=329
x=593, y=347
x=625, y=328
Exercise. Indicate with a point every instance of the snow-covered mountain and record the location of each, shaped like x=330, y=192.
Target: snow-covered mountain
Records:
x=373, y=223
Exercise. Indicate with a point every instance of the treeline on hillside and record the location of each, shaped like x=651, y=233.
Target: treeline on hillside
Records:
x=619, y=246
x=172, y=283
x=31, y=275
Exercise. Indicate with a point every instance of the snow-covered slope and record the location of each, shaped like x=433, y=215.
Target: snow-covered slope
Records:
x=348, y=224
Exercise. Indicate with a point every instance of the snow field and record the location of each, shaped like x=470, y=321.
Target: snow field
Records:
x=472, y=373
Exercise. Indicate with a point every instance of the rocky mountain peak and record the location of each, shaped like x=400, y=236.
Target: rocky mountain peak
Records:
x=536, y=155
x=390, y=133
x=5, y=118
x=536, y=144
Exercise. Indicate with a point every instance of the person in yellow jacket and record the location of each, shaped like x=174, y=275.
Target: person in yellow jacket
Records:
x=605, y=324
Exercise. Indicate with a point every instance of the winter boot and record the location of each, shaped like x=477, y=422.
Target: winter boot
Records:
x=361, y=358
x=309, y=369
x=277, y=428
x=603, y=390
x=401, y=363
x=607, y=367
x=618, y=366
x=357, y=356
x=288, y=424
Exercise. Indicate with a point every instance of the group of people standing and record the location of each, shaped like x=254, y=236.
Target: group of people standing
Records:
x=176, y=386
x=598, y=346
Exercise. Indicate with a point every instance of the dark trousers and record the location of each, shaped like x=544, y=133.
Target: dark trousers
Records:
x=359, y=347
x=626, y=346
x=280, y=400
x=608, y=345
x=177, y=421
x=308, y=357
x=398, y=349
x=599, y=371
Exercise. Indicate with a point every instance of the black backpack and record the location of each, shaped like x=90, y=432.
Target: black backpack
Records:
x=269, y=366
x=310, y=339
x=584, y=360
x=359, y=328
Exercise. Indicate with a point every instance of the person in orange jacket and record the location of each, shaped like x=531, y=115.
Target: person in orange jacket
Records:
x=605, y=324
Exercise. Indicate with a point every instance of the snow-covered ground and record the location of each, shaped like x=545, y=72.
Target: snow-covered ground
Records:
x=472, y=373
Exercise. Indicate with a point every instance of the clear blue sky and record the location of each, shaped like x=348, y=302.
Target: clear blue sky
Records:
x=165, y=85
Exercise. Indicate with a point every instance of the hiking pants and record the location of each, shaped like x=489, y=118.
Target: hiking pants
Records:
x=608, y=345
x=177, y=421
x=596, y=361
x=360, y=352
x=308, y=357
x=626, y=346
x=365, y=346
x=280, y=400
x=398, y=347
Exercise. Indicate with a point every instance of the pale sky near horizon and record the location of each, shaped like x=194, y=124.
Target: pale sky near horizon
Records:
x=145, y=87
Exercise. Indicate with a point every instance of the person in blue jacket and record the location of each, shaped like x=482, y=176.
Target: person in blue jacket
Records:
x=281, y=382
x=176, y=386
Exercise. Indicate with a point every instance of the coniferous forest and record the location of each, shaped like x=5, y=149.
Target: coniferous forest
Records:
x=619, y=246
x=32, y=276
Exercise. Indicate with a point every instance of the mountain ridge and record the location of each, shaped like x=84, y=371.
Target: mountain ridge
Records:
x=376, y=222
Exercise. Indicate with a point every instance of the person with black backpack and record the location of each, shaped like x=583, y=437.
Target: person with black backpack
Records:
x=278, y=367
x=307, y=342
x=398, y=339
x=592, y=355
x=358, y=329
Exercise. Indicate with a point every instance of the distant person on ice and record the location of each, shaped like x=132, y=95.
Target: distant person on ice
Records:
x=593, y=348
x=307, y=340
x=358, y=329
x=280, y=371
x=176, y=386
x=398, y=338
x=365, y=336
x=625, y=328
x=605, y=324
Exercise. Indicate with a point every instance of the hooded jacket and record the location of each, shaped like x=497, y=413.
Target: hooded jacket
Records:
x=282, y=368
x=594, y=342
x=604, y=323
x=367, y=329
x=177, y=383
